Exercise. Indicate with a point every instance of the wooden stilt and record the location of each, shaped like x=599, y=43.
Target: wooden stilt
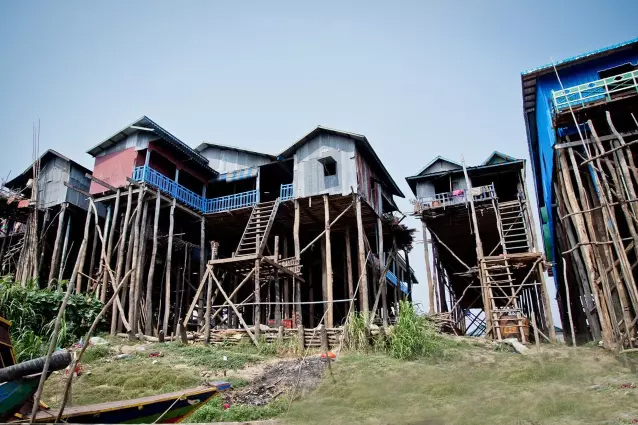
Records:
x=202, y=263
x=82, y=259
x=91, y=271
x=169, y=255
x=209, y=293
x=101, y=269
x=151, y=269
x=286, y=284
x=349, y=264
x=277, y=286
x=257, y=294
x=109, y=247
x=295, y=282
x=328, y=265
x=382, y=278
x=134, y=296
x=363, y=278
x=120, y=254
x=55, y=257
x=65, y=247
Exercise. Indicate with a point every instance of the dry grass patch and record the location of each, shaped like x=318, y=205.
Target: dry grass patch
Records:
x=559, y=386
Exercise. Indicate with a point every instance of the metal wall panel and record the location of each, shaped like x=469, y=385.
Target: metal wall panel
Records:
x=309, y=176
x=51, y=188
x=228, y=160
x=425, y=189
x=138, y=140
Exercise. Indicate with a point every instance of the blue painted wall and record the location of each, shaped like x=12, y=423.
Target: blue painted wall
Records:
x=571, y=76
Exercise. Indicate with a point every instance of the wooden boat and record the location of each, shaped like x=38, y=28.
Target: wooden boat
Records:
x=18, y=382
x=164, y=408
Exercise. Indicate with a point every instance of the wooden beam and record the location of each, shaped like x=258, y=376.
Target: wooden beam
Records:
x=349, y=264
x=328, y=264
x=100, y=182
x=55, y=257
x=326, y=228
x=151, y=270
x=295, y=281
x=428, y=272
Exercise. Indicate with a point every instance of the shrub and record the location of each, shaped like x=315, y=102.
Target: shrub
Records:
x=32, y=312
x=413, y=336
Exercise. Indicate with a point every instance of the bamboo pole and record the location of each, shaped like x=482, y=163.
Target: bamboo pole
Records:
x=140, y=253
x=169, y=255
x=257, y=292
x=55, y=257
x=382, y=278
x=328, y=265
x=101, y=272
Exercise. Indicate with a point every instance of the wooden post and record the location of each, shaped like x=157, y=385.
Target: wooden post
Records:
x=202, y=264
x=169, y=255
x=135, y=290
x=91, y=270
x=120, y=253
x=209, y=293
x=257, y=294
x=109, y=246
x=328, y=265
x=82, y=259
x=101, y=269
x=324, y=339
x=349, y=264
x=363, y=278
x=409, y=273
x=65, y=247
x=286, y=284
x=383, y=271
x=55, y=257
x=151, y=269
x=295, y=282
x=277, y=286
x=301, y=336
x=311, y=298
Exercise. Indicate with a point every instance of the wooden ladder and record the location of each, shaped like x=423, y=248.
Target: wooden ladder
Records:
x=257, y=228
x=514, y=227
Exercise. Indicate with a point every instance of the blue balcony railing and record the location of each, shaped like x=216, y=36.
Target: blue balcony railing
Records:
x=232, y=202
x=286, y=192
x=192, y=199
x=597, y=90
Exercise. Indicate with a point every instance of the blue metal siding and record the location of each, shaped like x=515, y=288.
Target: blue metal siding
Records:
x=571, y=76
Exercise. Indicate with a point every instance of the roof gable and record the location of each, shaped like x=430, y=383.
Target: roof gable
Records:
x=439, y=164
x=497, y=157
x=361, y=142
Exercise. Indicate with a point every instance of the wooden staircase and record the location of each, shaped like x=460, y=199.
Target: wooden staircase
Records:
x=502, y=293
x=514, y=227
x=257, y=229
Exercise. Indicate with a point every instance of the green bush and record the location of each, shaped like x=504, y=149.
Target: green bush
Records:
x=414, y=335
x=32, y=312
x=214, y=411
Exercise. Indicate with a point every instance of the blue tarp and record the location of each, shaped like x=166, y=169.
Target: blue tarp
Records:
x=393, y=281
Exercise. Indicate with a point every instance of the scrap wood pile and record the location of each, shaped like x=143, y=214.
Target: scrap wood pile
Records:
x=443, y=323
x=300, y=375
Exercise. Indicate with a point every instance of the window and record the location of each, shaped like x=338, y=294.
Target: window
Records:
x=329, y=166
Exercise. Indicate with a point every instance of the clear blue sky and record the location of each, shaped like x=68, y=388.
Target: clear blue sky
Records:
x=419, y=78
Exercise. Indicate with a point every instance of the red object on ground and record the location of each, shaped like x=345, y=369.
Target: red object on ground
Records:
x=330, y=354
x=226, y=405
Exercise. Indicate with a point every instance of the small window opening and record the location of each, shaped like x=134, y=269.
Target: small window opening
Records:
x=329, y=166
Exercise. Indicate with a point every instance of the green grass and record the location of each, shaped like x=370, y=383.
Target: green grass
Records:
x=475, y=386
x=213, y=411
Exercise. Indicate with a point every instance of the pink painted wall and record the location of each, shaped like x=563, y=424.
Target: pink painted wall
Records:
x=113, y=169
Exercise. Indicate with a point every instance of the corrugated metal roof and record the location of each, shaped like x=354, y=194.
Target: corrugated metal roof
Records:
x=44, y=158
x=205, y=145
x=145, y=123
x=576, y=58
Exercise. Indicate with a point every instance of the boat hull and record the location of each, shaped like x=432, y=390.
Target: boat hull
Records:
x=168, y=408
x=15, y=393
